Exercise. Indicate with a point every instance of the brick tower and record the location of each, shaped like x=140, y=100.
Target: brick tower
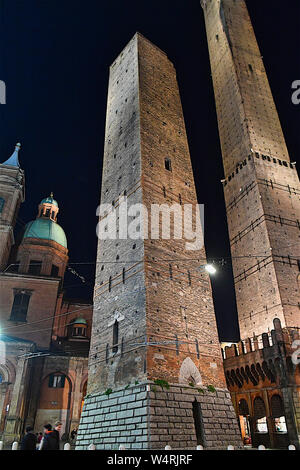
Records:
x=153, y=317
x=12, y=195
x=261, y=185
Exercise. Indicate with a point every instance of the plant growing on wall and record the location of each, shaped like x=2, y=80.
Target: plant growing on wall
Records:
x=162, y=383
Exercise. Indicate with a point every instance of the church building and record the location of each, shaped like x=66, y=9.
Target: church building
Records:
x=44, y=338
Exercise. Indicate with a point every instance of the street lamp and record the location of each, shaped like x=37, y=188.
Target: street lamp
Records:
x=210, y=269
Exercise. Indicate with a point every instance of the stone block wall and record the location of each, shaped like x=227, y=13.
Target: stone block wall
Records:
x=148, y=417
x=118, y=419
x=172, y=421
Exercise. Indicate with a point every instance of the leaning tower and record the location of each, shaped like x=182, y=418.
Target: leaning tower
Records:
x=155, y=369
x=261, y=185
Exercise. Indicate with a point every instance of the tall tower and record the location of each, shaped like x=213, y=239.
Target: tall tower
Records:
x=153, y=316
x=261, y=185
x=11, y=197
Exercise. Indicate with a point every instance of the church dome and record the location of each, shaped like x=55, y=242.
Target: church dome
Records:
x=49, y=200
x=45, y=229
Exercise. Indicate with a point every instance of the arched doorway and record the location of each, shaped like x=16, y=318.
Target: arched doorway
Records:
x=280, y=437
x=54, y=402
x=261, y=431
x=244, y=421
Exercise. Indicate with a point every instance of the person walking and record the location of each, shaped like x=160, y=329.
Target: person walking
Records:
x=49, y=441
x=56, y=432
x=29, y=441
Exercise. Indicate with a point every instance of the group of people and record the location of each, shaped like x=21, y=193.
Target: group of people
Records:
x=48, y=441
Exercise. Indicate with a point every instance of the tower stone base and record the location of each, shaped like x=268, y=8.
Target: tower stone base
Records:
x=147, y=416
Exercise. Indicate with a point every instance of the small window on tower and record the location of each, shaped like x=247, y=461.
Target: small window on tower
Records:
x=168, y=164
x=115, y=337
x=250, y=67
x=35, y=267
x=2, y=201
x=54, y=271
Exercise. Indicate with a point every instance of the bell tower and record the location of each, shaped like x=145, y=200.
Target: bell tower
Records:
x=261, y=185
x=12, y=194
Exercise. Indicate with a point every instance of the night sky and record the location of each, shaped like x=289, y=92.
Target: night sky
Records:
x=54, y=59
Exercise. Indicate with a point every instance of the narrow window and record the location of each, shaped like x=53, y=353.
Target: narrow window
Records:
x=54, y=271
x=123, y=275
x=171, y=271
x=164, y=191
x=2, y=201
x=47, y=213
x=168, y=164
x=115, y=337
x=250, y=67
x=180, y=200
x=109, y=284
x=107, y=353
x=20, y=307
x=189, y=278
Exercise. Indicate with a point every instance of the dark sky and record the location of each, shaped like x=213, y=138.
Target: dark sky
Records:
x=54, y=58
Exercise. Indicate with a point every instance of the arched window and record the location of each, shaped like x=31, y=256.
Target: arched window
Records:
x=243, y=407
x=278, y=414
x=259, y=410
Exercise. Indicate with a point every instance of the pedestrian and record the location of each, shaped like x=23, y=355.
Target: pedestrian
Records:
x=57, y=429
x=49, y=441
x=29, y=440
x=73, y=434
x=40, y=437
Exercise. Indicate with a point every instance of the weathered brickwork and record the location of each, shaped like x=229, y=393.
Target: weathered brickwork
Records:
x=153, y=310
x=261, y=186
